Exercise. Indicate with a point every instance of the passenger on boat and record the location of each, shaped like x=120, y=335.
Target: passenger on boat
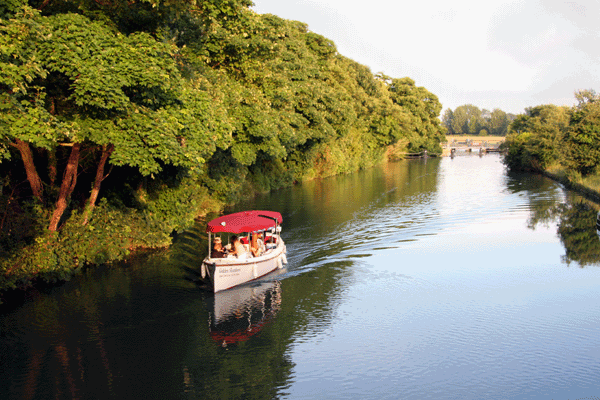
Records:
x=237, y=248
x=218, y=251
x=261, y=242
x=257, y=246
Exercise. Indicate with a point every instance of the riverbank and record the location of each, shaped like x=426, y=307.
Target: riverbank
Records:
x=113, y=235
x=589, y=187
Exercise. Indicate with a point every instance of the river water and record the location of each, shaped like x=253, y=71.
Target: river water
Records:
x=422, y=279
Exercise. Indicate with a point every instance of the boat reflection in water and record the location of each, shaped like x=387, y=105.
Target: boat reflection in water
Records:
x=242, y=312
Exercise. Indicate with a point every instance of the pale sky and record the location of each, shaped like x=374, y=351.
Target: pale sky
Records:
x=507, y=54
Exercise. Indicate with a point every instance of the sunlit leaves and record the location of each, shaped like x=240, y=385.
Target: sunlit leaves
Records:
x=424, y=109
x=102, y=64
x=19, y=59
x=537, y=138
x=584, y=133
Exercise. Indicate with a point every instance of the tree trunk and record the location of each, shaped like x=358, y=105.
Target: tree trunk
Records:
x=52, y=166
x=106, y=152
x=67, y=186
x=32, y=176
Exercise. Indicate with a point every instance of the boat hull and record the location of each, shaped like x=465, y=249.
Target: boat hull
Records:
x=225, y=273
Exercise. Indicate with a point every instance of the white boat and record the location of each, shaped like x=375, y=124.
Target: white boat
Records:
x=227, y=272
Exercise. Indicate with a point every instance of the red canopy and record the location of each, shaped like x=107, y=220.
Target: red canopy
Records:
x=245, y=221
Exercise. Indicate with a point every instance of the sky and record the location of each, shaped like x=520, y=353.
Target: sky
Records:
x=506, y=54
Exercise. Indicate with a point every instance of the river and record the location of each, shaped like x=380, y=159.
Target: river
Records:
x=421, y=279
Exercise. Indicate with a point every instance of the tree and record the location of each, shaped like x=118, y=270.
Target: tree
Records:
x=467, y=120
x=72, y=83
x=536, y=138
x=447, y=121
x=498, y=124
x=425, y=109
x=583, y=135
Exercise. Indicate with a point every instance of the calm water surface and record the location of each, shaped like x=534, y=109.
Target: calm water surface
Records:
x=423, y=279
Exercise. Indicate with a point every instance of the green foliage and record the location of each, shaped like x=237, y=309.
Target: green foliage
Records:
x=470, y=120
x=467, y=120
x=21, y=98
x=171, y=204
x=583, y=135
x=111, y=235
x=498, y=122
x=447, y=120
x=537, y=141
x=518, y=156
x=424, y=109
x=9, y=7
x=296, y=100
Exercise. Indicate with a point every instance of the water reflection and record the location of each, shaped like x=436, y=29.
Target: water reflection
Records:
x=106, y=334
x=576, y=220
x=574, y=216
x=336, y=218
x=242, y=312
x=377, y=254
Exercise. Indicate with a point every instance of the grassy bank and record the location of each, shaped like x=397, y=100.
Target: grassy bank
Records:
x=588, y=186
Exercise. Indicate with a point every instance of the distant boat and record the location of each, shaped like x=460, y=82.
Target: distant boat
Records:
x=229, y=271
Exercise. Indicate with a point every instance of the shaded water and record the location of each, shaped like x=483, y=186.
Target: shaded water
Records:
x=421, y=279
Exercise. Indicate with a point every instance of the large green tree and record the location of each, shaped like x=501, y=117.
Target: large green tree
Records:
x=424, y=108
x=536, y=138
x=77, y=84
x=498, y=122
x=583, y=135
x=467, y=120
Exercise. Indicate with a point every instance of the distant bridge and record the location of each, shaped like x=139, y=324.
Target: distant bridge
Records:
x=453, y=147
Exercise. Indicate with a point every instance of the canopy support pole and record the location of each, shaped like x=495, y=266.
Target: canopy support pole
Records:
x=209, y=246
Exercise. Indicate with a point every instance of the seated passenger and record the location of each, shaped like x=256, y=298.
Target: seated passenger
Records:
x=237, y=248
x=255, y=245
x=261, y=243
x=218, y=251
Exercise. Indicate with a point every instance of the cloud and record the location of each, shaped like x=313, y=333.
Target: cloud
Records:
x=512, y=52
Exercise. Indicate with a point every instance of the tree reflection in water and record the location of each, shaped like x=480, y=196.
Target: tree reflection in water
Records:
x=576, y=220
x=577, y=232
x=574, y=215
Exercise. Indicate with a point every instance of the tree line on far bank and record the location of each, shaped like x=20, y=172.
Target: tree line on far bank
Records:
x=471, y=120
